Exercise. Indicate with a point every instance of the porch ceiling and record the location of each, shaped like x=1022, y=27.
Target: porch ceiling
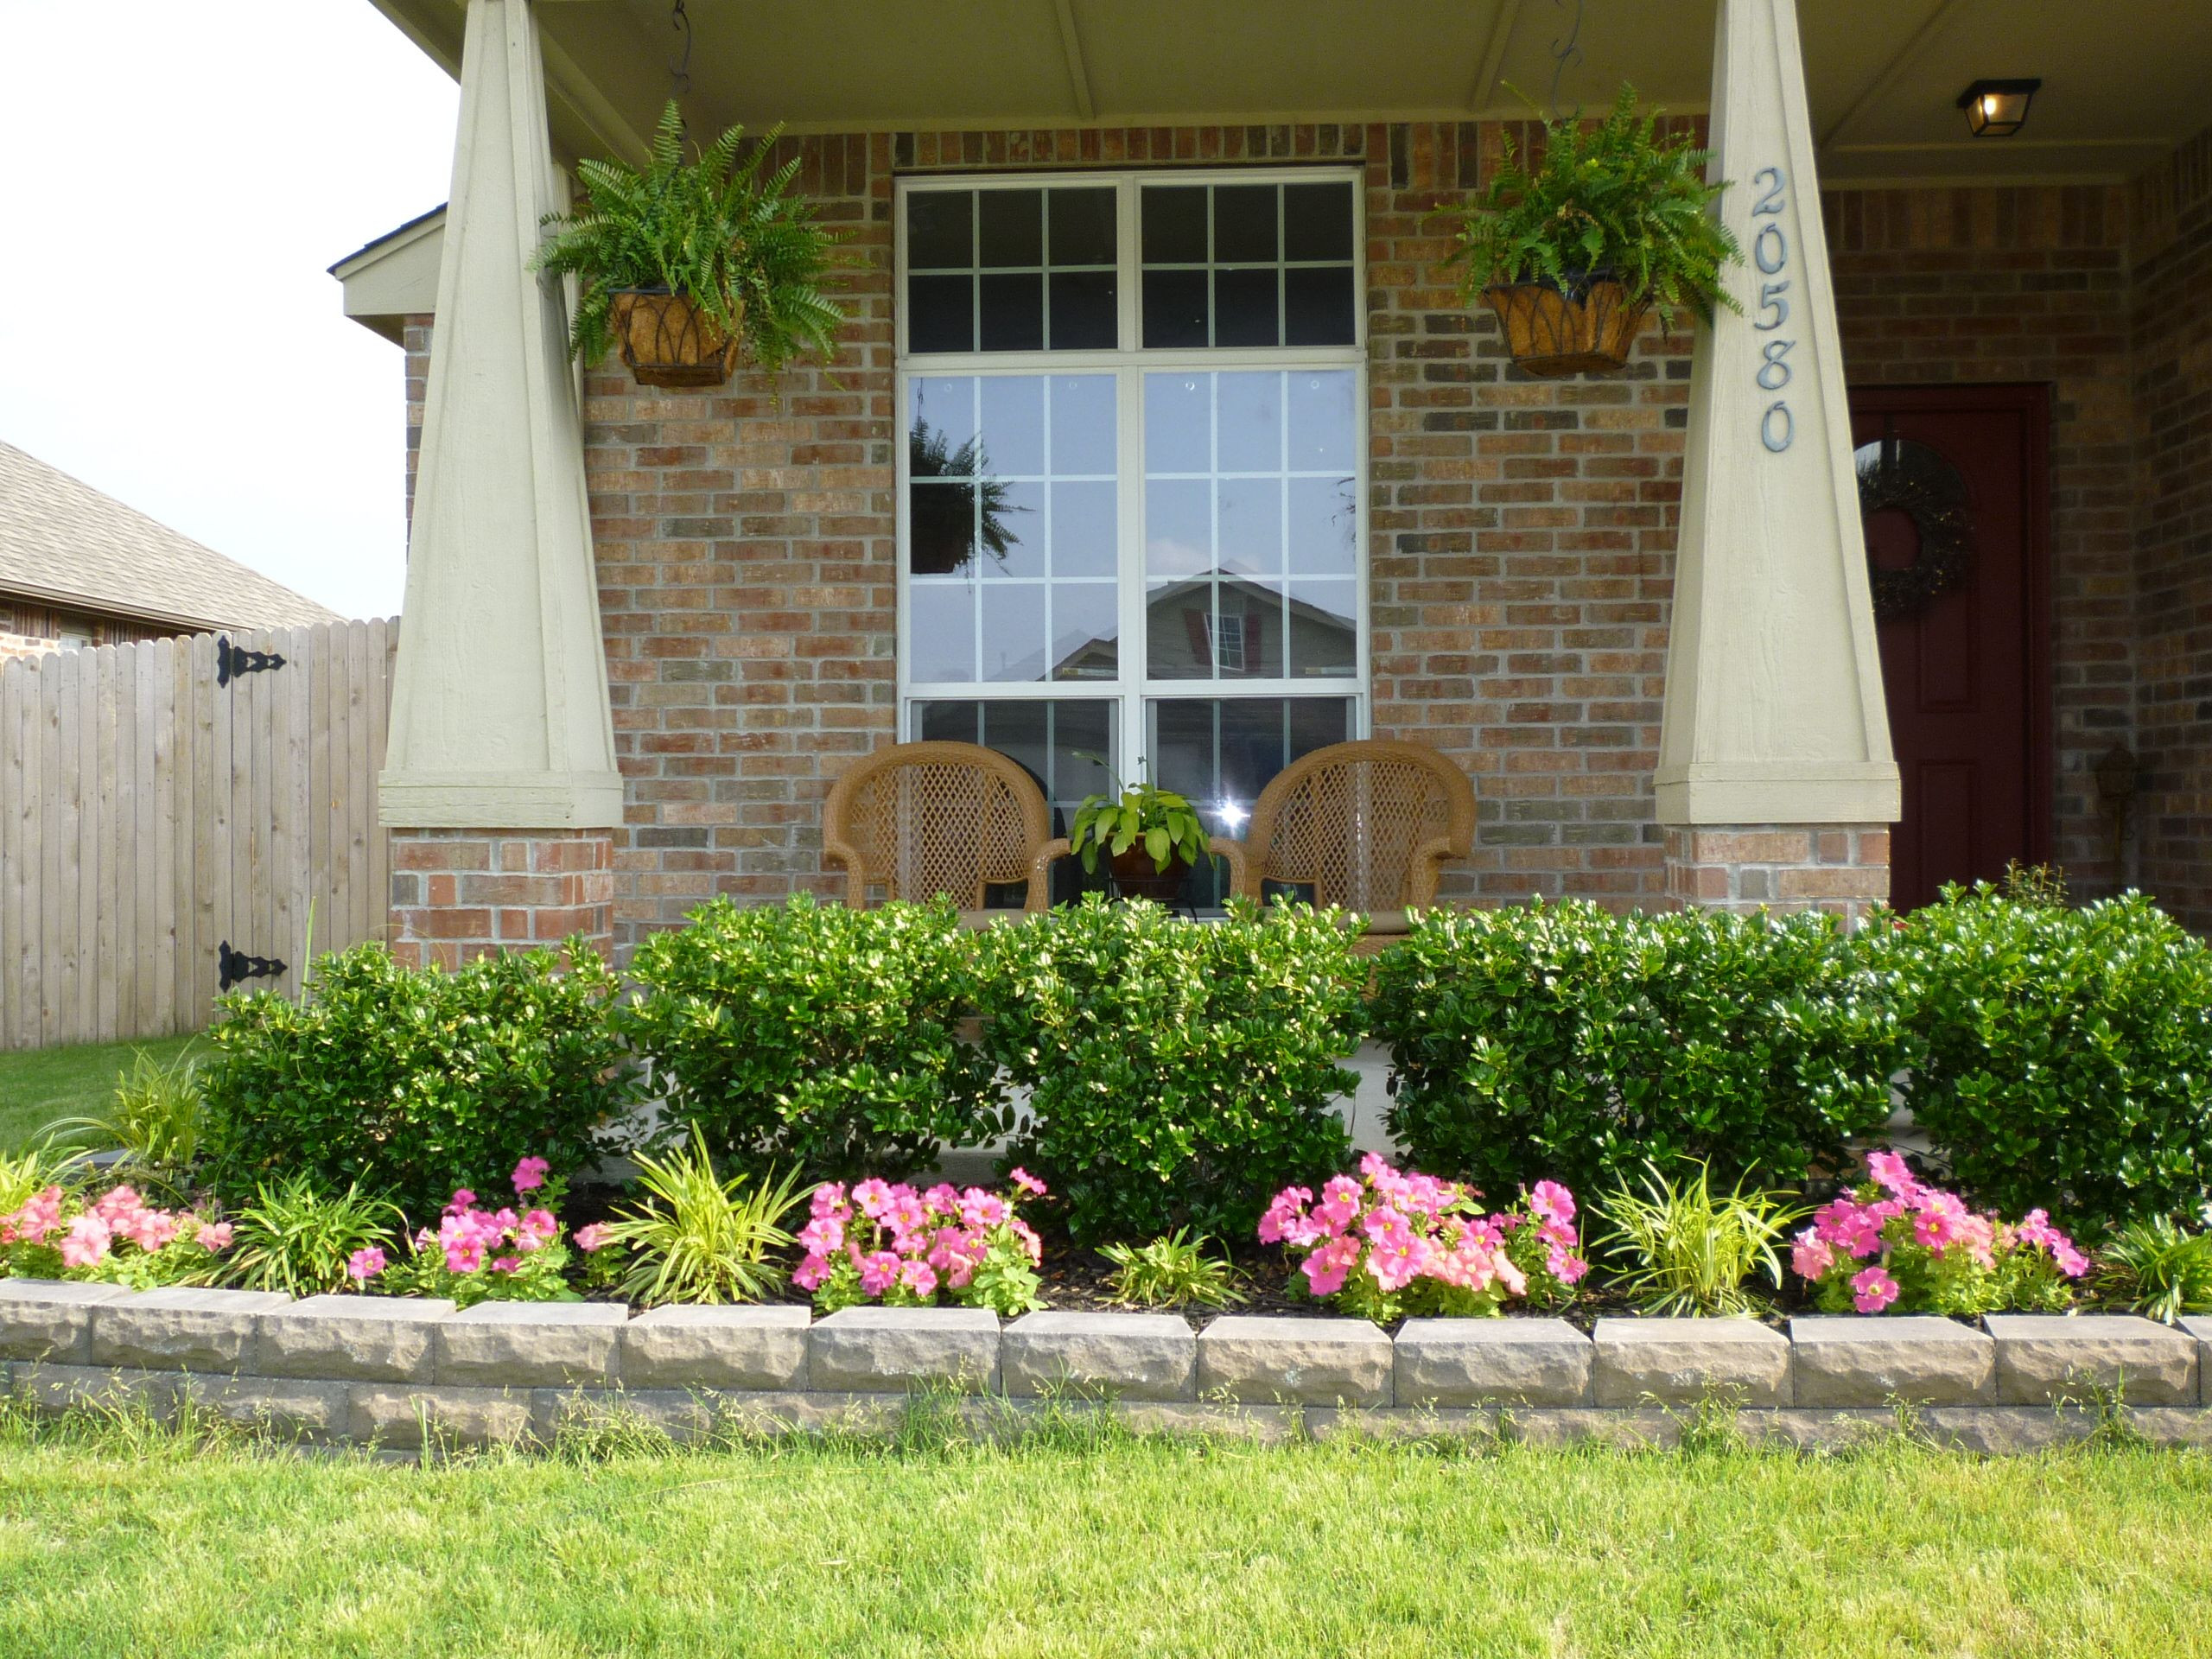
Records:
x=2120, y=86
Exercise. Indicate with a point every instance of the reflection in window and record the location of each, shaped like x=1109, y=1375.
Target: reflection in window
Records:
x=1251, y=552
x=1011, y=513
x=1221, y=753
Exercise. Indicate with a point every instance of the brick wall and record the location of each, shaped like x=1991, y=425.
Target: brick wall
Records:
x=458, y=894
x=1522, y=532
x=1990, y=285
x=2173, y=283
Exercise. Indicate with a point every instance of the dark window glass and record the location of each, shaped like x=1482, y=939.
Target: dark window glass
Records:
x=1317, y=221
x=1013, y=313
x=1244, y=223
x=1317, y=306
x=938, y=230
x=940, y=314
x=1011, y=226
x=942, y=540
x=1244, y=308
x=1083, y=310
x=1082, y=228
x=1174, y=307
x=1174, y=225
x=1221, y=752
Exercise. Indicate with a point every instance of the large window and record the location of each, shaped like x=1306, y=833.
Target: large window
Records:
x=1132, y=465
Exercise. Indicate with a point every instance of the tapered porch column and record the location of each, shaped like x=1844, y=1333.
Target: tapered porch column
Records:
x=1775, y=782
x=499, y=781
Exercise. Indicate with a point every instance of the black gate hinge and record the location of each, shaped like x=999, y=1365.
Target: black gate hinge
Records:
x=235, y=967
x=231, y=660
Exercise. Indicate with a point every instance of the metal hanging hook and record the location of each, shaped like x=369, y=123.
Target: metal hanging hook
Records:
x=1565, y=53
x=679, y=69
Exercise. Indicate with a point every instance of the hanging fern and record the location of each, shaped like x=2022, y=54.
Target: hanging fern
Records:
x=1608, y=201
x=747, y=250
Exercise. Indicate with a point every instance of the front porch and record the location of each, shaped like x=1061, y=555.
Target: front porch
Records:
x=1511, y=579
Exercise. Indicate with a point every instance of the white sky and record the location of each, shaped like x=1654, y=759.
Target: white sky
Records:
x=183, y=172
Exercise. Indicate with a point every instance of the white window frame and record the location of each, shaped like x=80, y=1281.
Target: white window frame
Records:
x=1132, y=690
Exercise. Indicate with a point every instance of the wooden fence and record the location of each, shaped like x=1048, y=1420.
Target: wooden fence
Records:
x=155, y=809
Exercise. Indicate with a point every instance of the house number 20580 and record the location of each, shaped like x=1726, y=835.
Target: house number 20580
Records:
x=1770, y=254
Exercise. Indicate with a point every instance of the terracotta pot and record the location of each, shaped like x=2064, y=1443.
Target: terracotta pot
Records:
x=1136, y=877
x=1554, y=334
x=667, y=342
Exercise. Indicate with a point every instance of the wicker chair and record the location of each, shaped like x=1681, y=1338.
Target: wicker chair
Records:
x=1365, y=824
x=920, y=819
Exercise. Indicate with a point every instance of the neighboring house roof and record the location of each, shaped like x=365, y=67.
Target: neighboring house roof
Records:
x=64, y=544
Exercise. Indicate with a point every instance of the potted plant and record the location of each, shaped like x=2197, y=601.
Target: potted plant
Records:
x=1151, y=837
x=1614, y=220
x=691, y=266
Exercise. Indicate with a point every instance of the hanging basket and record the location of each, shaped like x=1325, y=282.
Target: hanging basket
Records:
x=1553, y=334
x=667, y=342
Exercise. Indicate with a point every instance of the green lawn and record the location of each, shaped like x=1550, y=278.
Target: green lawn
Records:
x=123, y=1544
x=38, y=1085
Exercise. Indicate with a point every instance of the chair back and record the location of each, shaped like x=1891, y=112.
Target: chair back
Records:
x=1363, y=822
x=920, y=819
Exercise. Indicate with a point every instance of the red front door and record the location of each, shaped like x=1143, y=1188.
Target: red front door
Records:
x=1961, y=614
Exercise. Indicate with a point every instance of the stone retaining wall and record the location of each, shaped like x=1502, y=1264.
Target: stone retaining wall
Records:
x=392, y=1372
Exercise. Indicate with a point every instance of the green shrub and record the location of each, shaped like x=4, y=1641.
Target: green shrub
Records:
x=1179, y=1074
x=815, y=1037
x=1561, y=1041
x=2061, y=1058
x=409, y=1084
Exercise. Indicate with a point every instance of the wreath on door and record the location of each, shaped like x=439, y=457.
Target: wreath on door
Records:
x=1935, y=503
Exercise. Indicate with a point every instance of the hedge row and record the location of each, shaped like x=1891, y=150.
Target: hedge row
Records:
x=1158, y=1074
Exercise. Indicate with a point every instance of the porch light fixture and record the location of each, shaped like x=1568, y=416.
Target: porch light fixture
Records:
x=1997, y=109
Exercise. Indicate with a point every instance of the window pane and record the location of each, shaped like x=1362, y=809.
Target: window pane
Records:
x=1013, y=313
x=1180, y=629
x=1322, y=538
x=1084, y=315
x=1324, y=629
x=1082, y=226
x=1251, y=422
x=1317, y=307
x=943, y=408
x=1317, y=221
x=1244, y=309
x=940, y=314
x=1174, y=225
x=1083, y=426
x=1086, y=622
x=1013, y=633
x=1018, y=548
x=1221, y=753
x=939, y=231
x=1322, y=419
x=1010, y=227
x=1247, y=526
x=1177, y=423
x=1244, y=223
x=941, y=528
x=1174, y=307
x=941, y=630
x=1178, y=531
x=1083, y=519
x=1248, y=629
x=1013, y=425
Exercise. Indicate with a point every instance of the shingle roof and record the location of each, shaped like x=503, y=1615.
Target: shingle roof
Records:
x=63, y=542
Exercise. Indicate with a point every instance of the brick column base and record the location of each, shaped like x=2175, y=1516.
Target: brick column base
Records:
x=1841, y=867
x=458, y=894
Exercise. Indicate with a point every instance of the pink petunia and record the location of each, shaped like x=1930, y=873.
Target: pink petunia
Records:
x=1025, y=1183
x=812, y=1269
x=364, y=1264
x=1873, y=1290
x=1812, y=1256
x=593, y=1237
x=506, y=1263
x=1890, y=1173
x=86, y=1243
x=872, y=1197
x=919, y=1277
x=1549, y=1201
x=213, y=1237
x=530, y=1175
